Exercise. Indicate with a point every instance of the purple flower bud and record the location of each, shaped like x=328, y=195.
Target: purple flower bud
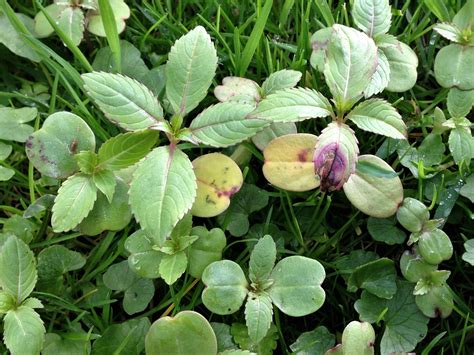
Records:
x=335, y=156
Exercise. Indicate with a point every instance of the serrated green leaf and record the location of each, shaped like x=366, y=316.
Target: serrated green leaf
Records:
x=21, y=227
x=372, y=16
x=296, y=289
x=127, y=338
x=265, y=347
x=459, y=102
x=125, y=101
x=282, y=79
x=377, y=277
x=86, y=161
x=74, y=201
x=371, y=168
x=105, y=182
x=258, y=315
x=126, y=149
x=192, y=64
x=461, y=145
x=173, y=266
x=162, y=191
x=226, y=287
x=262, y=259
x=18, y=274
x=32, y=302
x=52, y=148
x=405, y=325
x=12, y=127
x=226, y=124
x=71, y=22
x=186, y=333
x=351, y=60
x=20, y=324
x=292, y=105
x=319, y=43
x=381, y=76
x=379, y=116
x=448, y=31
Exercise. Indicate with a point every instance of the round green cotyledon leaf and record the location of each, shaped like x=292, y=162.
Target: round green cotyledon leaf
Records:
x=107, y=215
x=435, y=246
x=121, y=12
x=51, y=149
x=453, y=67
x=218, y=178
x=226, y=287
x=358, y=338
x=296, y=289
x=289, y=162
x=412, y=214
x=376, y=196
x=205, y=250
x=186, y=333
x=438, y=302
x=143, y=259
x=414, y=268
x=403, y=63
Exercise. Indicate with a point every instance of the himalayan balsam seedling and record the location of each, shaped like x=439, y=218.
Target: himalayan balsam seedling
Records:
x=292, y=285
x=355, y=64
x=420, y=265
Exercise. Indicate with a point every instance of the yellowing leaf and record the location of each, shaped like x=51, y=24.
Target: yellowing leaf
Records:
x=218, y=178
x=289, y=162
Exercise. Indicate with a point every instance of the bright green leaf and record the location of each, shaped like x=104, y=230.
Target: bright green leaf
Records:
x=453, y=67
x=15, y=41
x=226, y=124
x=71, y=22
x=126, y=149
x=296, y=289
x=192, y=64
x=205, y=250
x=378, y=116
x=125, y=101
x=258, y=315
x=262, y=259
x=52, y=148
x=448, y=31
x=468, y=255
x=381, y=76
x=143, y=259
x=226, y=287
x=459, y=102
x=405, y=325
x=75, y=200
x=18, y=274
x=21, y=324
x=105, y=182
x=461, y=145
x=12, y=127
x=282, y=79
x=173, y=266
x=351, y=60
x=372, y=16
x=292, y=105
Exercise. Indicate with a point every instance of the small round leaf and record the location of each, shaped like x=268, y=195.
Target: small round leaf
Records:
x=186, y=333
x=51, y=149
x=376, y=196
x=437, y=302
x=296, y=289
x=226, y=287
x=435, y=246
